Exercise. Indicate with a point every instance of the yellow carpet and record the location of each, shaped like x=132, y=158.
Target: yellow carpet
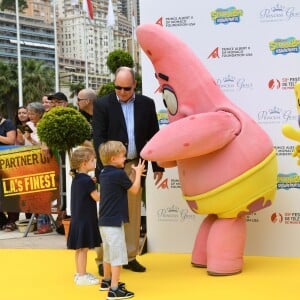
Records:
x=48, y=275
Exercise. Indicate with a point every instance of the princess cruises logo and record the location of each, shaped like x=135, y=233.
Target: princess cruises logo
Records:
x=174, y=214
x=230, y=83
x=279, y=13
x=276, y=115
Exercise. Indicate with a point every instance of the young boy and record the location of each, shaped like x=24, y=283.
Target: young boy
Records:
x=113, y=213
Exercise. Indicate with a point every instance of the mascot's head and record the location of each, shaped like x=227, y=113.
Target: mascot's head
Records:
x=185, y=83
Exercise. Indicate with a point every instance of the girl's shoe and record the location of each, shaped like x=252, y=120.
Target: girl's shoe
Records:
x=86, y=279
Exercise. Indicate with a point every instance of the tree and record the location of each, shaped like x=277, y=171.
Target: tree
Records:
x=37, y=79
x=8, y=88
x=11, y=5
x=75, y=88
x=106, y=89
x=138, y=88
x=63, y=128
x=118, y=58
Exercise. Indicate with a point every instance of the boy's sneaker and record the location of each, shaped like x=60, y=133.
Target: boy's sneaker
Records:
x=86, y=279
x=105, y=285
x=120, y=293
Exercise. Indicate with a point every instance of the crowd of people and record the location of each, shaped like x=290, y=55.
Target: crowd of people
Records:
x=22, y=131
x=121, y=124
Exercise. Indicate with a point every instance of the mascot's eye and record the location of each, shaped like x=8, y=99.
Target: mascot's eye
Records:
x=170, y=100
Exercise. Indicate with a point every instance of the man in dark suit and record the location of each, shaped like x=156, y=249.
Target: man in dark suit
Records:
x=130, y=118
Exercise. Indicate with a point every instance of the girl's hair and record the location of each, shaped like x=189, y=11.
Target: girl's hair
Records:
x=17, y=121
x=109, y=149
x=80, y=155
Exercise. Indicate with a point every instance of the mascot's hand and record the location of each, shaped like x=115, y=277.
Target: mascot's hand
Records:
x=291, y=133
x=296, y=153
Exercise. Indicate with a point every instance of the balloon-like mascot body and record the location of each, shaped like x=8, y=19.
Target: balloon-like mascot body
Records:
x=226, y=163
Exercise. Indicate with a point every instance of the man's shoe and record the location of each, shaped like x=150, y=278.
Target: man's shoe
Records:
x=134, y=266
x=120, y=293
x=100, y=270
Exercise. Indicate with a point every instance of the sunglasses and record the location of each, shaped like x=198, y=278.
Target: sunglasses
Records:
x=81, y=99
x=126, y=88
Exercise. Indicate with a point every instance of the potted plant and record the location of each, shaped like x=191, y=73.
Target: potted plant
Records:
x=61, y=129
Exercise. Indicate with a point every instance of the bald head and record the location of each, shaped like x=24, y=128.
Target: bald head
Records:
x=87, y=94
x=85, y=100
x=125, y=83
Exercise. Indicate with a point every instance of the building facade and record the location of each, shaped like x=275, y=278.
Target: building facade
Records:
x=80, y=42
x=36, y=38
x=88, y=40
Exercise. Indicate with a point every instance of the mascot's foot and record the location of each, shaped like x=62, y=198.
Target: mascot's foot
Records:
x=198, y=265
x=223, y=274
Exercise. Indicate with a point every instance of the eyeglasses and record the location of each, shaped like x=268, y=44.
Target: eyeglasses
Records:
x=126, y=88
x=81, y=99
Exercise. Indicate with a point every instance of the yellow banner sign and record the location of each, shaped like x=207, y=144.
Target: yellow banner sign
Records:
x=29, y=181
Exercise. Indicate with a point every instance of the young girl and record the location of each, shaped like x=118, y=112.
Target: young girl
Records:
x=84, y=232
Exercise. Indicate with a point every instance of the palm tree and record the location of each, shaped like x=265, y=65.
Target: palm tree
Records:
x=38, y=79
x=8, y=89
x=75, y=88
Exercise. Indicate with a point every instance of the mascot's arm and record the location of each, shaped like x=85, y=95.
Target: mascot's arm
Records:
x=167, y=164
x=293, y=134
x=192, y=136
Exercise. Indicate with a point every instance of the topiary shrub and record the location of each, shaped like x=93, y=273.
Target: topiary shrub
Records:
x=106, y=89
x=63, y=128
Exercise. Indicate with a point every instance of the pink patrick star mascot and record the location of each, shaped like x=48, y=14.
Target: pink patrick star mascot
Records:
x=226, y=163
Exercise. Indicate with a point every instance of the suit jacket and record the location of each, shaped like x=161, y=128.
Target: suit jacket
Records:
x=109, y=123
